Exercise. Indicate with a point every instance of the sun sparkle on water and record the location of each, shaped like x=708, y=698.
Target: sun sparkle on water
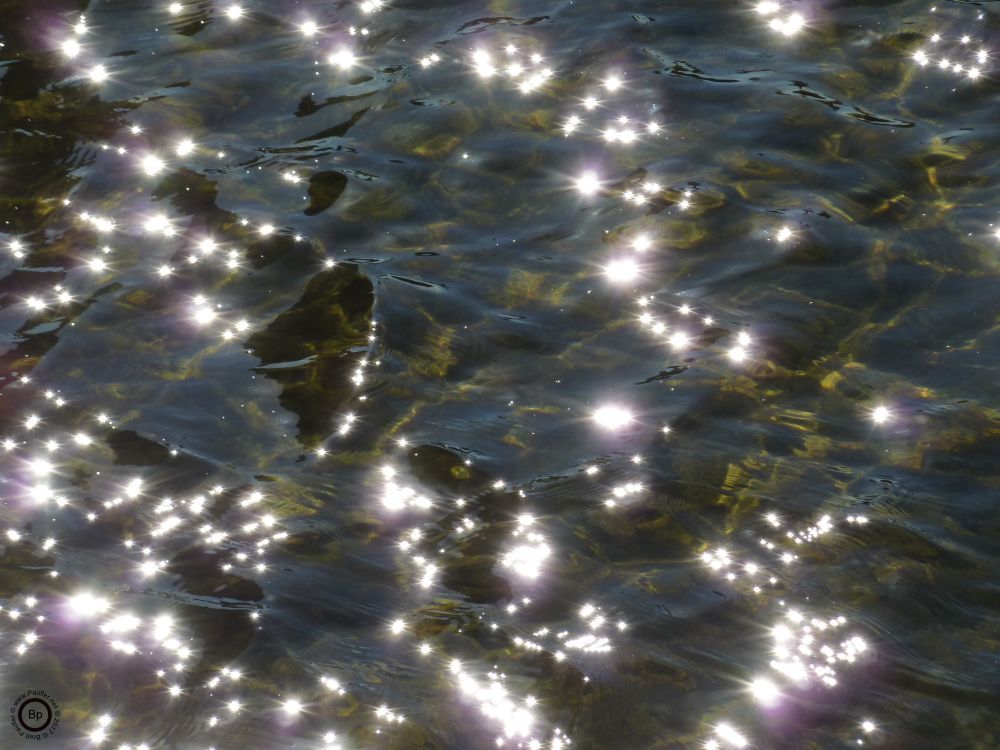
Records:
x=633, y=217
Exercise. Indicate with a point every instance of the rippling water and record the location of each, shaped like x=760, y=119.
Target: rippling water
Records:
x=500, y=374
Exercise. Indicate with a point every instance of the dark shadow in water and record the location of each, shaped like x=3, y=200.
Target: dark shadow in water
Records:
x=333, y=316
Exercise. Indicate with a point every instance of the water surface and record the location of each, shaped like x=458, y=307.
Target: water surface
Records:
x=409, y=399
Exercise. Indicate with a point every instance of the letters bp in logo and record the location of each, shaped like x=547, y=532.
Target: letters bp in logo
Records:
x=34, y=715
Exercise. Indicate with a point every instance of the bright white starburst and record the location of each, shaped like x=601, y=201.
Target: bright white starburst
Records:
x=622, y=271
x=588, y=183
x=613, y=417
x=881, y=414
x=343, y=58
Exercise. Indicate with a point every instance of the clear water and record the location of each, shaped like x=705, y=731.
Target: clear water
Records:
x=385, y=466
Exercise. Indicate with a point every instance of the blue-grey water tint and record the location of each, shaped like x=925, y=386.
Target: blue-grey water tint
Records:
x=386, y=466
